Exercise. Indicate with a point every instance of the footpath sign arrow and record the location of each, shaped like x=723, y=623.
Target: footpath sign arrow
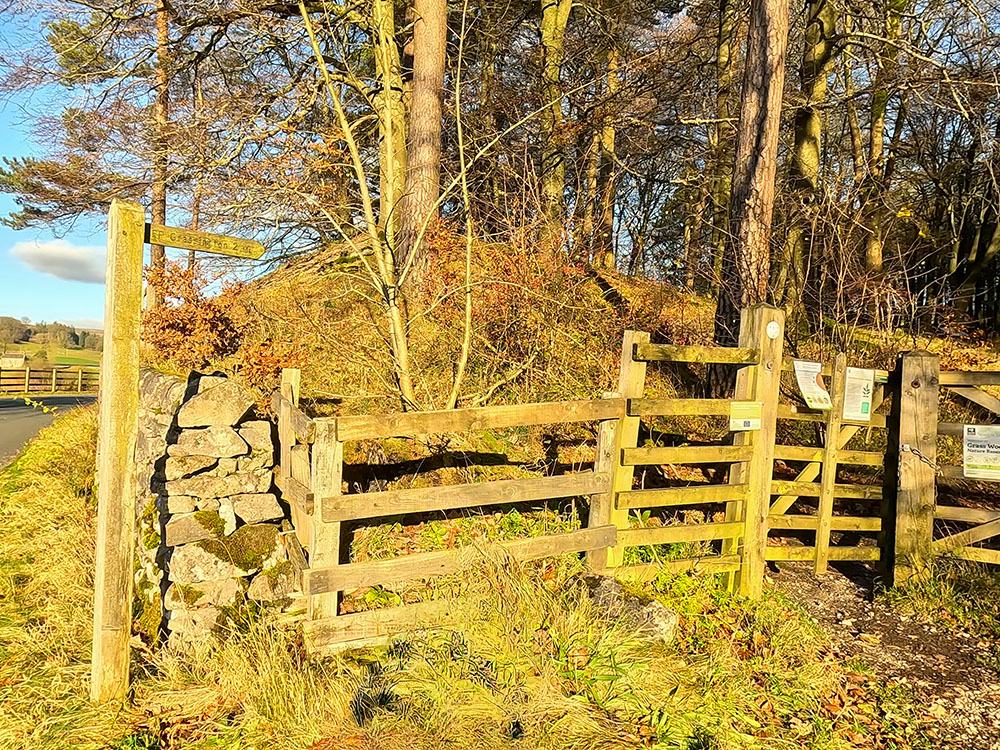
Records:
x=189, y=239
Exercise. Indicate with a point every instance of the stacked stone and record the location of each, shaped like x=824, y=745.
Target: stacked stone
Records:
x=160, y=396
x=219, y=515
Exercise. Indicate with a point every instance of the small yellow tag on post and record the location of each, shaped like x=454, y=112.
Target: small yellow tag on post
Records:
x=188, y=239
x=745, y=415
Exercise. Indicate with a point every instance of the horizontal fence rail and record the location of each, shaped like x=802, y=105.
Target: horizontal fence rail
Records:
x=428, y=564
x=413, y=424
x=50, y=380
x=646, y=352
x=454, y=496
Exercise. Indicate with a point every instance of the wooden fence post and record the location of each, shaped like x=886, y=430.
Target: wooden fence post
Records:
x=830, y=451
x=325, y=538
x=607, y=460
x=631, y=384
x=915, y=424
x=118, y=421
x=762, y=327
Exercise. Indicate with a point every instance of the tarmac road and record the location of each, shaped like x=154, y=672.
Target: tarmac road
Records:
x=19, y=422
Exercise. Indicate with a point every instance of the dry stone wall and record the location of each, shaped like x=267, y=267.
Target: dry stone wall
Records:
x=210, y=518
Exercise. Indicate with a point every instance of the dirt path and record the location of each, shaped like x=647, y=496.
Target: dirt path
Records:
x=944, y=669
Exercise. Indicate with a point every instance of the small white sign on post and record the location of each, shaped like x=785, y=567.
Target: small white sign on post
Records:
x=809, y=376
x=981, y=452
x=745, y=415
x=859, y=386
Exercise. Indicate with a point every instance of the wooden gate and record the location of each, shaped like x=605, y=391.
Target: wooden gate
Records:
x=811, y=500
x=968, y=521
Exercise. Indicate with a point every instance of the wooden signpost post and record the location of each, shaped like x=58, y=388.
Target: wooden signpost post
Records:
x=118, y=423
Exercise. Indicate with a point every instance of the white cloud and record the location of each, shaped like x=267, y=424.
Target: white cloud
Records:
x=63, y=259
x=89, y=324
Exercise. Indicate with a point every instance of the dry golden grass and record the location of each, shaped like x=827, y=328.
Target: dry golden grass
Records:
x=528, y=661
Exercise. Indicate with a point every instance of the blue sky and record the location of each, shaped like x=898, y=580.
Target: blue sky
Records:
x=45, y=277
x=42, y=276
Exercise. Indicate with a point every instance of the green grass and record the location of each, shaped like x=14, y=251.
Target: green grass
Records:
x=58, y=355
x=957, y=594
x=527, y=660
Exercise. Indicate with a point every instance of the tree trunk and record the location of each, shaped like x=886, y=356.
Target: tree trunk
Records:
x=555, y=17
x=747, y=264
x=161, y=113
x=605, y=250
x=720, y=135
x=392, y=118
x=804, y=168
x=874, y=197
x=423, y=170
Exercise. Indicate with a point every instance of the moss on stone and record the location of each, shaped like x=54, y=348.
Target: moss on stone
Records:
x=189, y=594
x=147, y=614
x=246, y=548
x=150, y=538
x=278, y=571
x=211, y=521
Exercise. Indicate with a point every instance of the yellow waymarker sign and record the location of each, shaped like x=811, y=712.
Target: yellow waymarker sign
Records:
x=188, y=239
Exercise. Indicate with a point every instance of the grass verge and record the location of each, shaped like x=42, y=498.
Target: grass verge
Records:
x=957, y=594
x=527, y=663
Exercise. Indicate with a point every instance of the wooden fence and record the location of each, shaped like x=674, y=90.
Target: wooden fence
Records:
x=806, y=486
x=50, y=380
x=927, y=528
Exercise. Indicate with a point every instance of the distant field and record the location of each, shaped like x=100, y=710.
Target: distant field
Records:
x=58, y=354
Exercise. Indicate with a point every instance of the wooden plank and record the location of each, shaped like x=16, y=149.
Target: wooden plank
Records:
x=966, y=515
x=631, y=385
x=811, y=454
x=678, y=407
x=978, y=554
x=980, y=398
x=836, y=554
x=837, y=523
x=300, y=423
x=190, y=239
x=602, y=504
x=118, y=415
x=377, y=623
x=762, y=327
x=696, y=532
x=646, y=352
x=294, y=491
x=814, y=489
x=687, y=454
x=410, y=424
x=325, y=539
x=915, y=495
x=982, y=377
x=798, y=413
x=696, y=565
x=967, y=537
x=429, y=564
x=696, y=494
x=828, y=479
x=447, y=497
